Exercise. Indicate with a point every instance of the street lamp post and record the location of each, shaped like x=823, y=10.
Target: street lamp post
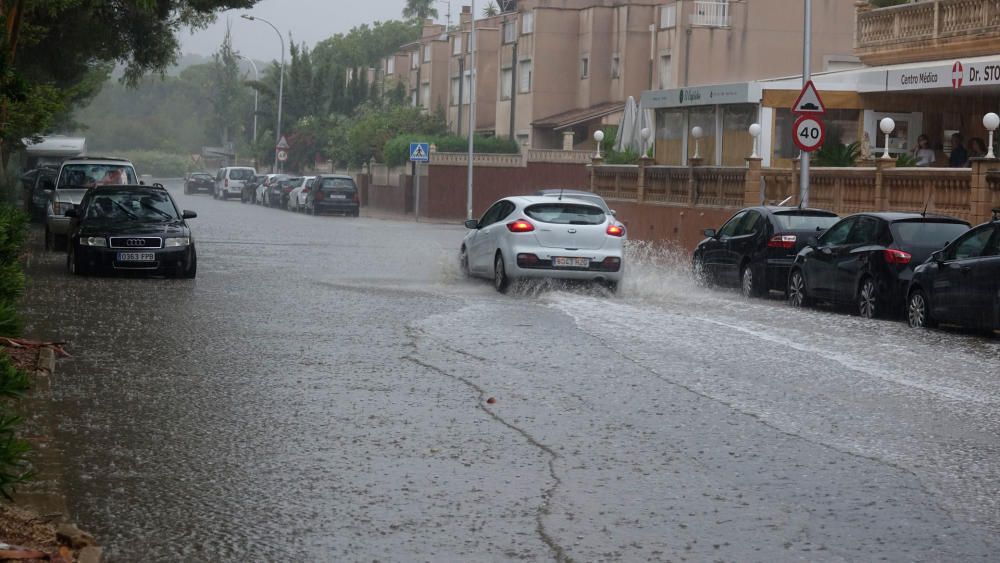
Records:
x=256, y=95
x=281, y=84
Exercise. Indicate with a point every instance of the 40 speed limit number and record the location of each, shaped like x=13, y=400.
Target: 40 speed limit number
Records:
x=809, y=133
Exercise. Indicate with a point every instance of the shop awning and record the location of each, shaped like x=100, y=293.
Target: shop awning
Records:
x=578, y=116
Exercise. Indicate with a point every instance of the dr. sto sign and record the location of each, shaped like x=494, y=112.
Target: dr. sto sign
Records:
x=809, y=133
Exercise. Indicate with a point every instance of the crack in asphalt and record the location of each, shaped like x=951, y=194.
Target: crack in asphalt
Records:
x=544, y=510
x=735, y=408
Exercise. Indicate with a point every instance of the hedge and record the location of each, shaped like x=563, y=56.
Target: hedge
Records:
x=397, y=150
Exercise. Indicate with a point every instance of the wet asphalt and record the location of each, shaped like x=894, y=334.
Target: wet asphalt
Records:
x=320, y=393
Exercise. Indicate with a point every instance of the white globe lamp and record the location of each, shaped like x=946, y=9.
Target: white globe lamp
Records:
x=697, y=132
x=991, y=121
x=887, y=126
x=755, y=131
x=599, y=137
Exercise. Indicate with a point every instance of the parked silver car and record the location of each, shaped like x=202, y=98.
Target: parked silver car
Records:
x=544, y=237
x=76, y=176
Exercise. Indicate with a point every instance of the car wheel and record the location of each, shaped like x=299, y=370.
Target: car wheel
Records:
x=73, y=263
x=867, y=299
x=748, y=283
x=611, y=286
x=797, y=296
x=918, y=311
x=700, y=273
x=500, y=280
x=192, y=270
x=463, y=262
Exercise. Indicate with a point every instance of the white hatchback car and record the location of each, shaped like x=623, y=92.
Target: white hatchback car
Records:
x=541, y=237
x=297, y=197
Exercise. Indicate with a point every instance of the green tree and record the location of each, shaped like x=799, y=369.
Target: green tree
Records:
x=226, y=93
x=420, y=10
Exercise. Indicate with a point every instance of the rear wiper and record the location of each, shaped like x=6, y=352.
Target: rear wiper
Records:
x=580, y=223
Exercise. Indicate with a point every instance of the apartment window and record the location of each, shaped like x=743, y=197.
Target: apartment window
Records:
x=527, y=23
x=413, y=97
x=524, y=80
x=668, y=16
x=467, y=88
x=666, y=72
x=427, y=53
x=456, y=84
x=508, y=32
x=390, y=66
x=456, y=45
x=585, y=67
x=616, y=66
x=425, y=94
x=415, y=59
x=506, y=83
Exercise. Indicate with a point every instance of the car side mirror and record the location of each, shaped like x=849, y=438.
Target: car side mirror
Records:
x=472, y=224
x=710, y=233
x=614, y=213
x=189, y=214
x=48, y=185
x=71, y=213
x=813, y=242
x=938, y=256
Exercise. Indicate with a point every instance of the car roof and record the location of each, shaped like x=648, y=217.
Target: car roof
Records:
x=96, y=160
x=339, y=176
x=129, y=187
x=894, y=216
x=566, y=191
x=778, y=209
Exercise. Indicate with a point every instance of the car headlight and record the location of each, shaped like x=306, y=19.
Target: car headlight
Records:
x=93, y=241
x=176, y=242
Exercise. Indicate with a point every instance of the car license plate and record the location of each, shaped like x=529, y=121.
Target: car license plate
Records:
x=565, y=262
x=338, y=196
x=136, y=257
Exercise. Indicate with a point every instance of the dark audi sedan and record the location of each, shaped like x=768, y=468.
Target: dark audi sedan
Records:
x=755, y=249
x=131, y=228
x=961, y=284
x=333, y=194
x=199, y=182
x=867, y=260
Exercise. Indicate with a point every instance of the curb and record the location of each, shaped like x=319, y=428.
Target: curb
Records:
x=46, y=365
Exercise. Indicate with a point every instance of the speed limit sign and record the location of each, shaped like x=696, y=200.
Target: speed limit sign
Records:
x=809, y=133
x=282, y=156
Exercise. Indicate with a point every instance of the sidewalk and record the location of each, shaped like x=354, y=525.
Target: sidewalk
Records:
x=383, y=215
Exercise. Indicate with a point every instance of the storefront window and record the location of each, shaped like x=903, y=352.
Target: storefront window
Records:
x=670, y=137
x=784, y=144
x=737, y=144
x=703, y=117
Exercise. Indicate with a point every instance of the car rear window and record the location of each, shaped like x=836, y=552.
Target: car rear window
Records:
x=929, y=234
x=241, y=174
x=337, y=184
x=804, y=221
x=566, y=213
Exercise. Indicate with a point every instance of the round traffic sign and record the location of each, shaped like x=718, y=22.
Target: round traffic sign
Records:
x=809, y=133
x=282, y=155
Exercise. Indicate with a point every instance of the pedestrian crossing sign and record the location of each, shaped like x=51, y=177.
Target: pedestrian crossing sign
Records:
x=420, y=152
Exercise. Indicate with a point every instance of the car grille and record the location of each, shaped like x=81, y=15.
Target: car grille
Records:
x=136, y=242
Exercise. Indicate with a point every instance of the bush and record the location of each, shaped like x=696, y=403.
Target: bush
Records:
x=14, y=466
x=838, y=154
x=397, y=150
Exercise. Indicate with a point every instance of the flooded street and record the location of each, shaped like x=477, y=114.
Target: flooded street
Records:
x=320, y=393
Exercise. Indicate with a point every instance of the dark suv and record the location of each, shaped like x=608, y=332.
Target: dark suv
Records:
x=333, y=194
x=867, y=260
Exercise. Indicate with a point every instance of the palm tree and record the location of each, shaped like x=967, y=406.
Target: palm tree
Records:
x=420, y=10
x=490, y=10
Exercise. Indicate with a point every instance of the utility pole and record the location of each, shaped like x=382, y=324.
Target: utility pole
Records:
x=281, y=86
x=806, y=77
x=472, y=111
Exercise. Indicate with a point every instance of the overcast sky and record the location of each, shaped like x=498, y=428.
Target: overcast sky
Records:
x=309, y=21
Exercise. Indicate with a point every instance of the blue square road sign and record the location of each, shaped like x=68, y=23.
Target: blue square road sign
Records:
x=420, y=152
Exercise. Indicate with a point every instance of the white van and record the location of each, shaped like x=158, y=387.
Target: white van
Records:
x=229, y=181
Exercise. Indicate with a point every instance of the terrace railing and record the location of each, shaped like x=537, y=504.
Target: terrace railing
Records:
x=907, y=29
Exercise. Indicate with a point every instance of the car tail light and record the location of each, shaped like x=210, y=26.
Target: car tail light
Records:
x=611, y=264
x=782, y=241
x=893, y=256
x=520, y=226
x=616, y=231
x=527, y=260
x=356, y=200
x=227, y=182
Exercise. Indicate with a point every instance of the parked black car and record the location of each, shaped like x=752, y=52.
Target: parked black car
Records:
x=130, y=228
x=249, y=192
x=961, y=283
x=272, y=190
x=199, y=182
x=334, y=194
x=867, y=260
x=756, y=247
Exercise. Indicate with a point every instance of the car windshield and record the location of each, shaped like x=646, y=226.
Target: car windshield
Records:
x=241, y=174
x=927, y=234
x=90, y=175
x=331, y=184
x=804, y=221
x=566, y=213
x=133, y=205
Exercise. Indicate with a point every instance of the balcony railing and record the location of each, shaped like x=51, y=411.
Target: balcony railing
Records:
x=931, y=19
x=711, y=13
